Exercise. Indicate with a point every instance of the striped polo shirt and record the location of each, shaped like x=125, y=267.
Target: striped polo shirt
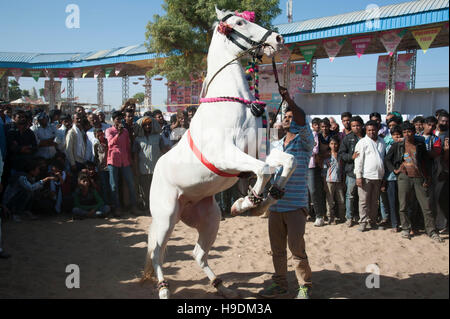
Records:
x=296, y=195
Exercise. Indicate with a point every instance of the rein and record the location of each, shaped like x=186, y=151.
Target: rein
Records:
x=277, y=81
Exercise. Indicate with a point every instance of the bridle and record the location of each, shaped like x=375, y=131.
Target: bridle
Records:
x=253, y=49
x=261, y=42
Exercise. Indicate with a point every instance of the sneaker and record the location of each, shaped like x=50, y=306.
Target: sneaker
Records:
x=362, y=227
x=436, y=237
x=332, y=221
x=273, y=291
x=406, y=234
x=444, y=231
x=373, y=226
x=319, y=222
x=304, y=292
x=349, y=223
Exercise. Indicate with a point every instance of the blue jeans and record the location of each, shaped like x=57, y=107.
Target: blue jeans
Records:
x=351, y=197
x=114, y=182
x=384, y=205
x=393, y=203
x=106, y=188
x=316, y=190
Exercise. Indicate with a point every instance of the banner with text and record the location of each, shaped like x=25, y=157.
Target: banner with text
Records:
x=382, y=72
x=403, y=72
x=360, y=44
x=391, y=39
x=333, y=46
x=426, y=37
x=182, y=95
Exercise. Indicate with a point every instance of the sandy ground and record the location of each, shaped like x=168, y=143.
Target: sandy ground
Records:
x=111, y=252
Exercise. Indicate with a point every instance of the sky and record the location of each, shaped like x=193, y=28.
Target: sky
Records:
x=40, y=26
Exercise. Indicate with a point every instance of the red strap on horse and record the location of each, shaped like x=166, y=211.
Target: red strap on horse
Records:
x=204, y=161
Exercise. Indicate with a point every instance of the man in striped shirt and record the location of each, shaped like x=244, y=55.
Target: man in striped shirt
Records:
x=287, y=218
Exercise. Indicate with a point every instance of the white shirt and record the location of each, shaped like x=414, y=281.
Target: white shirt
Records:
x=45, y=133
x=369, y=164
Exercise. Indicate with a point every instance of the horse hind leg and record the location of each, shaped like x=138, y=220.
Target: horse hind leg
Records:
x=209, y=216
x=165, y=217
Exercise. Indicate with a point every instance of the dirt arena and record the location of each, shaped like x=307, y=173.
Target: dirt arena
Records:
x=110, y=254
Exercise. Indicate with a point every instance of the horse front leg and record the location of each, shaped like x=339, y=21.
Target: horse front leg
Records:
x=236, y=160
x=288, y=163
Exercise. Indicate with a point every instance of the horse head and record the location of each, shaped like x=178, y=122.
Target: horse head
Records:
x=240, y=29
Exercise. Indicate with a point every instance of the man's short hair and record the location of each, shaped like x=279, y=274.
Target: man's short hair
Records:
x=408, y=126
x=375, y=114
x=372, y=123
x=18, y=112
x=98, y=130
x=148, y=113
x=156, y=112
x=419, y=119
x=336, y=139
x=65, y=117
x=358, y=119
x=116, y=114
x=443, y=113
x=430, y=120
x=395, y=119
x=325, y=121
x=316, y=120
x=439, y=112
x=396, y=129
x=346, y=114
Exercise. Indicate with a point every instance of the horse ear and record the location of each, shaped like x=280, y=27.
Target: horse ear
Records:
x=220, y=14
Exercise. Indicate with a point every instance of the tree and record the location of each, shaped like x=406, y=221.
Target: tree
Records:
x=25, y=93
x=14, y=90
x=187, y=29
x=139, y=97
x=41, y=92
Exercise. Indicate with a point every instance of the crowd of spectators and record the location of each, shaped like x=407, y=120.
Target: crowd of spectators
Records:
x=377, y=175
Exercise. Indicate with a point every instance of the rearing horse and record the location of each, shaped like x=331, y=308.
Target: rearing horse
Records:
x=217, y=148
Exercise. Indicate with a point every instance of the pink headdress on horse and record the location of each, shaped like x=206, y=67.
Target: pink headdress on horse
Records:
x=247, y=15
x=226, y=29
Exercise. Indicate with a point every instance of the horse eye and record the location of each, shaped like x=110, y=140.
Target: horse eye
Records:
x=240, y=23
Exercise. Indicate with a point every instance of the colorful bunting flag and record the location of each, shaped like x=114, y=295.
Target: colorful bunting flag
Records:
x=426, y=37
x=85, y=72
x=108, y=71
x=308, y=52
x=391, y=39
x=119, y=68
x=17, y=73
x=333, y=46
x=62, y=73
x=360, y=44
x=35, y=74
x=97, y=72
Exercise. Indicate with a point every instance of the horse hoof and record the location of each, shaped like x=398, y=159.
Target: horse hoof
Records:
x=164, y=293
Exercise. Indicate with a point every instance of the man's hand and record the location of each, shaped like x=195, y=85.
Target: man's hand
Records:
x=284, y=93
x=359, y=182
x=383, y=186
x=25, y=149
x=427, y=182
x=446, y=144
x=355, y=155
x=399, y=170
x=49, y=178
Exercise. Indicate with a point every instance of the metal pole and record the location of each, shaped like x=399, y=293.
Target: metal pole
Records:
x=125, y=88
x=390, y=90
x=51, y=102
x=314, y=74
x=100, y=92
x=70, y=93
x=413, y=68
x=148, y=92
x=4, y=88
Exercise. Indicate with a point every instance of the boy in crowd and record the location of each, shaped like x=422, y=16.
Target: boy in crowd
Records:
x=418, y=122
x=348, y=155
x=369, y=172
x=396, y=136
x=409, y=160
x=87, y=201
x=314, y=177
x=334, y=187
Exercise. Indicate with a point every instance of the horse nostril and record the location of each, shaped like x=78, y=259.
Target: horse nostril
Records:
x=280, y=39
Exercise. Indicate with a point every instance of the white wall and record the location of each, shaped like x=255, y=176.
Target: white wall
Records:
x=409, y=103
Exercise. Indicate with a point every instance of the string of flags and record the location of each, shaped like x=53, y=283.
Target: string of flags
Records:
x=389, y=39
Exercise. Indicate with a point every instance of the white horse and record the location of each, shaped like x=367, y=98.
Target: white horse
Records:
x=211, y=154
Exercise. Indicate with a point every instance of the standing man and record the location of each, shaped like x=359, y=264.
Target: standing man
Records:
x=76, y=145
x=287, y=218
x=119, y=161
x=382, y=128
x=45, y=135
x=410, y=161
x=345, y=119
x=369, y=172
x=348, y=155
x=165, y=128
